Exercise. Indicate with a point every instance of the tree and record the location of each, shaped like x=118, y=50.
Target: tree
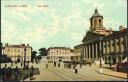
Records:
x=33, y=55
x=38, y=57
x=43, y=51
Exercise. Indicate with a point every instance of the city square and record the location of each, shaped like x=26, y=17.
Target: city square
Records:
x=69, y=41
x=85, y=73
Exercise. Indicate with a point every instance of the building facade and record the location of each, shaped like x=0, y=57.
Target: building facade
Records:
x=93, y=41
x=17, y=52
x=78, y=53
x=100, y=43
x=114, y=46
x=59, y=54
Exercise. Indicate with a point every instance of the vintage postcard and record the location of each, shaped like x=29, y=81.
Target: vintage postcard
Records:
x=64, y=40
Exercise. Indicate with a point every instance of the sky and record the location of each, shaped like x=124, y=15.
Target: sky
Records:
x=57, y=22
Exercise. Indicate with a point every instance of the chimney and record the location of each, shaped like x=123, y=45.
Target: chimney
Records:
x=121, y=28
x=27, y=44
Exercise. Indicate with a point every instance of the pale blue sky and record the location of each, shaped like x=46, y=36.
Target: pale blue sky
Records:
x=63, y=23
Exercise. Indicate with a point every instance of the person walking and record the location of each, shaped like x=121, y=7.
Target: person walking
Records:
x=3, y=73
x=16, y=73
x=80, y=65
x=76, y=69
x=31, y=73
x=59, y=64
x=46, y=65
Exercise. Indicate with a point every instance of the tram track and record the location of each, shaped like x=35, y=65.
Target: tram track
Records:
x=79, y=75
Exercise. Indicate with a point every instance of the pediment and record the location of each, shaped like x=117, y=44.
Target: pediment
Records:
x=91, y=35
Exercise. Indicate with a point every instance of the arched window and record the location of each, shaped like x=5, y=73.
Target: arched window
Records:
x=99, y=21
x=95, y=21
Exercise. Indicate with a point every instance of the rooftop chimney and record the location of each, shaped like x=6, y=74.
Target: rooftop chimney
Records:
x=121, y=28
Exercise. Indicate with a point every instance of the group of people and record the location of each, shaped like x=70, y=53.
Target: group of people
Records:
x=7, y=72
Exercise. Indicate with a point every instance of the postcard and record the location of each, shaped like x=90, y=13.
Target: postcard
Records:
x=64, y=40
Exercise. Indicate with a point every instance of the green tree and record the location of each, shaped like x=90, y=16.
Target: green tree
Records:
x=38, y=57
x=33, y=55
x=43, y=51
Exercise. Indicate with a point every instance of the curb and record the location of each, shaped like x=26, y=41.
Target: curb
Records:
x=114, y=76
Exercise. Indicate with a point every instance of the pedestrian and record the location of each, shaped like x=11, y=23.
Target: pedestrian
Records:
x=80, y=65
x=31, y=72
x=58, y=64
x=3, y=73
x=5, y=66
x=54, y=64
x=46, y=65
x=76, y=70
x=8, y=73
x=16, y=73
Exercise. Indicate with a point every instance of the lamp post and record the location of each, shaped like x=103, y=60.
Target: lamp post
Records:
x=24, y=56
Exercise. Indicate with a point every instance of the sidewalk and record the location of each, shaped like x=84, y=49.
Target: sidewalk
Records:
x=114, y=73
x=110, y=72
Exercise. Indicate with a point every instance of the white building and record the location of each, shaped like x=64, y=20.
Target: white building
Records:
x=17, y=52
x=60, y=54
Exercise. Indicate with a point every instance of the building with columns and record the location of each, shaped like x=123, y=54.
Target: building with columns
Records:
x=114, y=46
x=60, y=54
x=17, y=52
x=93, y=41
x=99, y=42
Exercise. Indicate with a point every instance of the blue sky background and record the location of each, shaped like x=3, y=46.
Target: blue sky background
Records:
x=63, y=23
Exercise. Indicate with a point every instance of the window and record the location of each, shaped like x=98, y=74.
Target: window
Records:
x=100, y=21
x=95, y=21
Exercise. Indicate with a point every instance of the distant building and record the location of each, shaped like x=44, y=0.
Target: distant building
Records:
x=16, y=52
x=78, y=55
x=59, y=54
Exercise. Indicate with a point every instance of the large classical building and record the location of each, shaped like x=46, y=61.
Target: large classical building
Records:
x=17, y=52
x=100, y=42
x=93, y=41
x=59, y=54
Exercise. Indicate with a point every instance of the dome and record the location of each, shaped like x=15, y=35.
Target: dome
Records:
x=96, y=13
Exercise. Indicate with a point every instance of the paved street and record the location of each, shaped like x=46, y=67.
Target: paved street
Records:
x=86, y=73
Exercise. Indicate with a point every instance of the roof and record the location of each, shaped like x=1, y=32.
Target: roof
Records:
x=116, y=33
x=18, y=46
x=58, y=48
x=91, y=35
x=80, y=45
x=96, y=14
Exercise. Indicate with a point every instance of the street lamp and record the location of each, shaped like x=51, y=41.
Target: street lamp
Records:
x=24, y=56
